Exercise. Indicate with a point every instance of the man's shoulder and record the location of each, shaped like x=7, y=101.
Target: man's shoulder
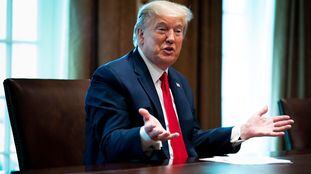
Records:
x=121, y=64
x=121, y=61
x=177, y=74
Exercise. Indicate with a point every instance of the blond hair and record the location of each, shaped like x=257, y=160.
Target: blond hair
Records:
x=151, y=9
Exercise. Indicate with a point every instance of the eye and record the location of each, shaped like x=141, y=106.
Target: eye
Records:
x=161, y=29
x=178, y=31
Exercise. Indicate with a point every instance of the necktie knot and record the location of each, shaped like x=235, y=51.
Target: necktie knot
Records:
x=164, y=83
x=164, y=77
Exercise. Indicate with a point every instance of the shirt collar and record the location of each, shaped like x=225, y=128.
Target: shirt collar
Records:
x=154, y=70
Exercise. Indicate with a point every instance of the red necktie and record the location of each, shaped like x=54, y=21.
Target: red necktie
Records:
x=178, y=145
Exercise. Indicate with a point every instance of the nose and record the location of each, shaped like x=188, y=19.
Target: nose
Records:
x=170, y=36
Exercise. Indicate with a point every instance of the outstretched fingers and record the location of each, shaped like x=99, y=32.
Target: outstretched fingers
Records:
x=276, y=134
x=167, y=136
x=281, y=128
x=173, y=135
x=283, y=123
x=281, y=118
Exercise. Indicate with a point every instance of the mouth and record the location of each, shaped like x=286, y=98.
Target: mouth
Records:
x=169, y=50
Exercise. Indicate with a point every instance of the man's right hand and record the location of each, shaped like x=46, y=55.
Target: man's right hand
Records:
x=154, y=128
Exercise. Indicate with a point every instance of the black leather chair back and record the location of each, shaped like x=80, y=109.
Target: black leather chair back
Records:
x=48, y=121
x=299, y=136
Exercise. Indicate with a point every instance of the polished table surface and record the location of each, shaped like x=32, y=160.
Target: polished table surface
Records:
x=301, y=165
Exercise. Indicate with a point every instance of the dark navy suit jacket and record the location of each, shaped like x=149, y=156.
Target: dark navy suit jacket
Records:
x=117, y=90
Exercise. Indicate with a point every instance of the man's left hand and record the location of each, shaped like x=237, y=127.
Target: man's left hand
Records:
x=259, y=125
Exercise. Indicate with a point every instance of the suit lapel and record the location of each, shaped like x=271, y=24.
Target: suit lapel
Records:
x=146, y=82
x=144, y=78
x=179, y=95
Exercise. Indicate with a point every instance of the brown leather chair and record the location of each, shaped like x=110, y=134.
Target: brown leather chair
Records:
x=299, y=136
x=48, y=121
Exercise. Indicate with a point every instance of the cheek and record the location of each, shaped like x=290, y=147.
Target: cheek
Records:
x=158, y=40
x=154, y=43
x=180, y=41
x=179, y=44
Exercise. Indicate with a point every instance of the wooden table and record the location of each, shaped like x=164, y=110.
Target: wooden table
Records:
x=301, y=165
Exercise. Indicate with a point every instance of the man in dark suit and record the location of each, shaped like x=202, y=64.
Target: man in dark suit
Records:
x=140, y=108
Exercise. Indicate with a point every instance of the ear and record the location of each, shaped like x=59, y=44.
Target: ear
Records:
x=140, y=36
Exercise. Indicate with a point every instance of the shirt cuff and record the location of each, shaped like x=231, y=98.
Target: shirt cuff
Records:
x=147, y=143
x=235, y=136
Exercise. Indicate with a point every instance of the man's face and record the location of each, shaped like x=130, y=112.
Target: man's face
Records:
x=161, y=40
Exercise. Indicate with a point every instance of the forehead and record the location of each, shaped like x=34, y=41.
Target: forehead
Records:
x=167, y=20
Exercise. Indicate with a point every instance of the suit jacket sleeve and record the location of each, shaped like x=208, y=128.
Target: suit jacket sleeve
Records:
x=214, y=142
x=110, y=135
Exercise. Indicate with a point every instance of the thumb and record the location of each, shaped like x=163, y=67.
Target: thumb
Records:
x=144, y=112
x=263, y=110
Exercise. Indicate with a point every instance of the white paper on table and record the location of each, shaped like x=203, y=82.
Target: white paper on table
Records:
x=246, y=159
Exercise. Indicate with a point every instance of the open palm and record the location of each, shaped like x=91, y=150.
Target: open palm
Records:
x=260, y=125
x=154, y=128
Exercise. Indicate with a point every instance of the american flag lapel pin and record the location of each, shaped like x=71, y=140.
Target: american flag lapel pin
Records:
x=178, y=85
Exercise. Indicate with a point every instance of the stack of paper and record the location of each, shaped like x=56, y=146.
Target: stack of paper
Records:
x=246, y=159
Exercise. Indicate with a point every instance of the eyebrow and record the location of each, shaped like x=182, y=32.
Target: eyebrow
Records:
x=163, y=23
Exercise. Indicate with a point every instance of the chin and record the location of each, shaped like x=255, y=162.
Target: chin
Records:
x=168, y=57
x=167, y=63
